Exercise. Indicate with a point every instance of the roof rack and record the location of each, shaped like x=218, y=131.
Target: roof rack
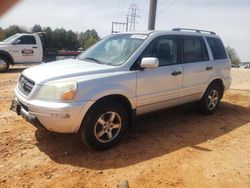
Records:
x=196, y=30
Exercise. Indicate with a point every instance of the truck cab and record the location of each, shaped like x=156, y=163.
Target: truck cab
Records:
x=22, y=48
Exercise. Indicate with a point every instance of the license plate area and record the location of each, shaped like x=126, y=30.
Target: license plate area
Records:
x=15, y=106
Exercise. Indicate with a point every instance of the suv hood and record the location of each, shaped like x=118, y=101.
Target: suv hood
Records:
x=4, y=44
x=64, y=69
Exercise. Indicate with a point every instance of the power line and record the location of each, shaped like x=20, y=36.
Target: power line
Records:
x=131, y=21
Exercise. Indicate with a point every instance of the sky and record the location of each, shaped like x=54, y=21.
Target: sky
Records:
x=230, y=19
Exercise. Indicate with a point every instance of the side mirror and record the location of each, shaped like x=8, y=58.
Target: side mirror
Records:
x=16, y=42
x=149, y=63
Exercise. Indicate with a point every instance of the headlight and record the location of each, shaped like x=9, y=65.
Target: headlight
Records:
x=62, y=91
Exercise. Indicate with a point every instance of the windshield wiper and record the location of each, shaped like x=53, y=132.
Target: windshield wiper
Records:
x=94, y=59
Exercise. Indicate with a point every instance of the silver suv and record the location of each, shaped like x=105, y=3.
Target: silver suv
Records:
x=124, y=75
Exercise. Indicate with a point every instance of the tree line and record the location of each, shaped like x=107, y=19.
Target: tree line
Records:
x=58, y=38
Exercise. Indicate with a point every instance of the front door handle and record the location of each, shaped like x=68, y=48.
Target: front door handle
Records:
x=34, y=47
x=209, y=68
x=176, y=73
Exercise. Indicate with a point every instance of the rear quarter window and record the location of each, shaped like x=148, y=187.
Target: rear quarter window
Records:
x=217, y=48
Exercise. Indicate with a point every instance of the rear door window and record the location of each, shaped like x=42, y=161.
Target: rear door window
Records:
x=217, y=48
x=193, y=49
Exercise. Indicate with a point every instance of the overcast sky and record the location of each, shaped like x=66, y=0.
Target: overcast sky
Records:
x=229, y=18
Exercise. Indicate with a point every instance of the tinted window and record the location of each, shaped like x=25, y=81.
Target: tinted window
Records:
x=193, y=49
x=27, y=40
x=164, y=48
x=217, y=48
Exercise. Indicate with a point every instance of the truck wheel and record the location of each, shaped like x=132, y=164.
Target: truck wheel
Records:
x=211, y=99
x=4, y=64
x=105, y=125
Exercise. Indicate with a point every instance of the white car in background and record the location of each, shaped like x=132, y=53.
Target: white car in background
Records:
x=122, y=76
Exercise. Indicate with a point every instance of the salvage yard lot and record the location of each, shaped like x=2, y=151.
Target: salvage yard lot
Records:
x=177, y=147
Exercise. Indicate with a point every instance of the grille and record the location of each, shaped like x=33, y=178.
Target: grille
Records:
x=25, y=85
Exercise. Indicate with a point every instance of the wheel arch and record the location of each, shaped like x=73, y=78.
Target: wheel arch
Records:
x=7, y=56
x=218, y=82
x=124, y=101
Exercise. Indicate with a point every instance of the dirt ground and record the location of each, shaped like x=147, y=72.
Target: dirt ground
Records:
x=177, y=147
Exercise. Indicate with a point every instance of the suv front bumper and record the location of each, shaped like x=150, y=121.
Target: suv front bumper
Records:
x=18, y=108
x=54, y=116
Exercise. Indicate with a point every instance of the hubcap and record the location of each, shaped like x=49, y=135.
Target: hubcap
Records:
x=107, y=127
x=3, y=64
x=213, y=99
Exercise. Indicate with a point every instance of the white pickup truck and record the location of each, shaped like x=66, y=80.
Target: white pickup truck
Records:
x=22, y=48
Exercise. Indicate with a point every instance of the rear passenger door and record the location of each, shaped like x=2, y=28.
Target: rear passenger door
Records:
x=197, y=67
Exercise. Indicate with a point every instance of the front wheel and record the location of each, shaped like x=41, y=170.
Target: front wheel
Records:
x=4, y=64
x=211, y=99
x=105, y=125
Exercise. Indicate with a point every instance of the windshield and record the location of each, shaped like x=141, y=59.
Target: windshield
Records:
x=10, y=39
x=113, y=50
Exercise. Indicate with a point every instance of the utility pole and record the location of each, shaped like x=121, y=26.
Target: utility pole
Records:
x=152, y=14
x=133, y=15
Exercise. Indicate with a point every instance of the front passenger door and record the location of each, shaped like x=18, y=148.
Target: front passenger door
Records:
x=162, y=86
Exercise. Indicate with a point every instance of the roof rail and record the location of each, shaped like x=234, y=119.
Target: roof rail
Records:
x=40, y=32
x=196, y=30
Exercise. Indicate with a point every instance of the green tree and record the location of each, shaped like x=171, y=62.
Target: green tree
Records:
x=62, y=39
x=89, y=42
x=58, y=38
x=88, y=38
x=235, y=60
x=49, y=37
x=2, y=34
x=12, y=30
x=71, y=41
x=36, y=28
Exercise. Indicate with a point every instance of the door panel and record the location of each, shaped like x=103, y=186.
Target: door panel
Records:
x=195, y=77
x=26, y=50
x=196, y=66
x=157, y=88
x=158, y=85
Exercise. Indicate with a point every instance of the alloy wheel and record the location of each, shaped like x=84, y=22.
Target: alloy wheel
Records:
x=107, y=127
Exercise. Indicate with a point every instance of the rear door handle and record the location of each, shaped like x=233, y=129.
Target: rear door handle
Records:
x=176, y=73
x=34, y=47
x=209, y=68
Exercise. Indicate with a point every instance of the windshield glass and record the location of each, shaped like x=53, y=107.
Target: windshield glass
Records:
x=113, y=50
x=10, y=39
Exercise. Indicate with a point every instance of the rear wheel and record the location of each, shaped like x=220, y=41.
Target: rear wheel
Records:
x=211, y=99
x=4, y=64
x=105, y=125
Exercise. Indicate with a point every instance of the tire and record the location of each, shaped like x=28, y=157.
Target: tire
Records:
x=4, y=64
x=211, y=99
x=105, y=125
